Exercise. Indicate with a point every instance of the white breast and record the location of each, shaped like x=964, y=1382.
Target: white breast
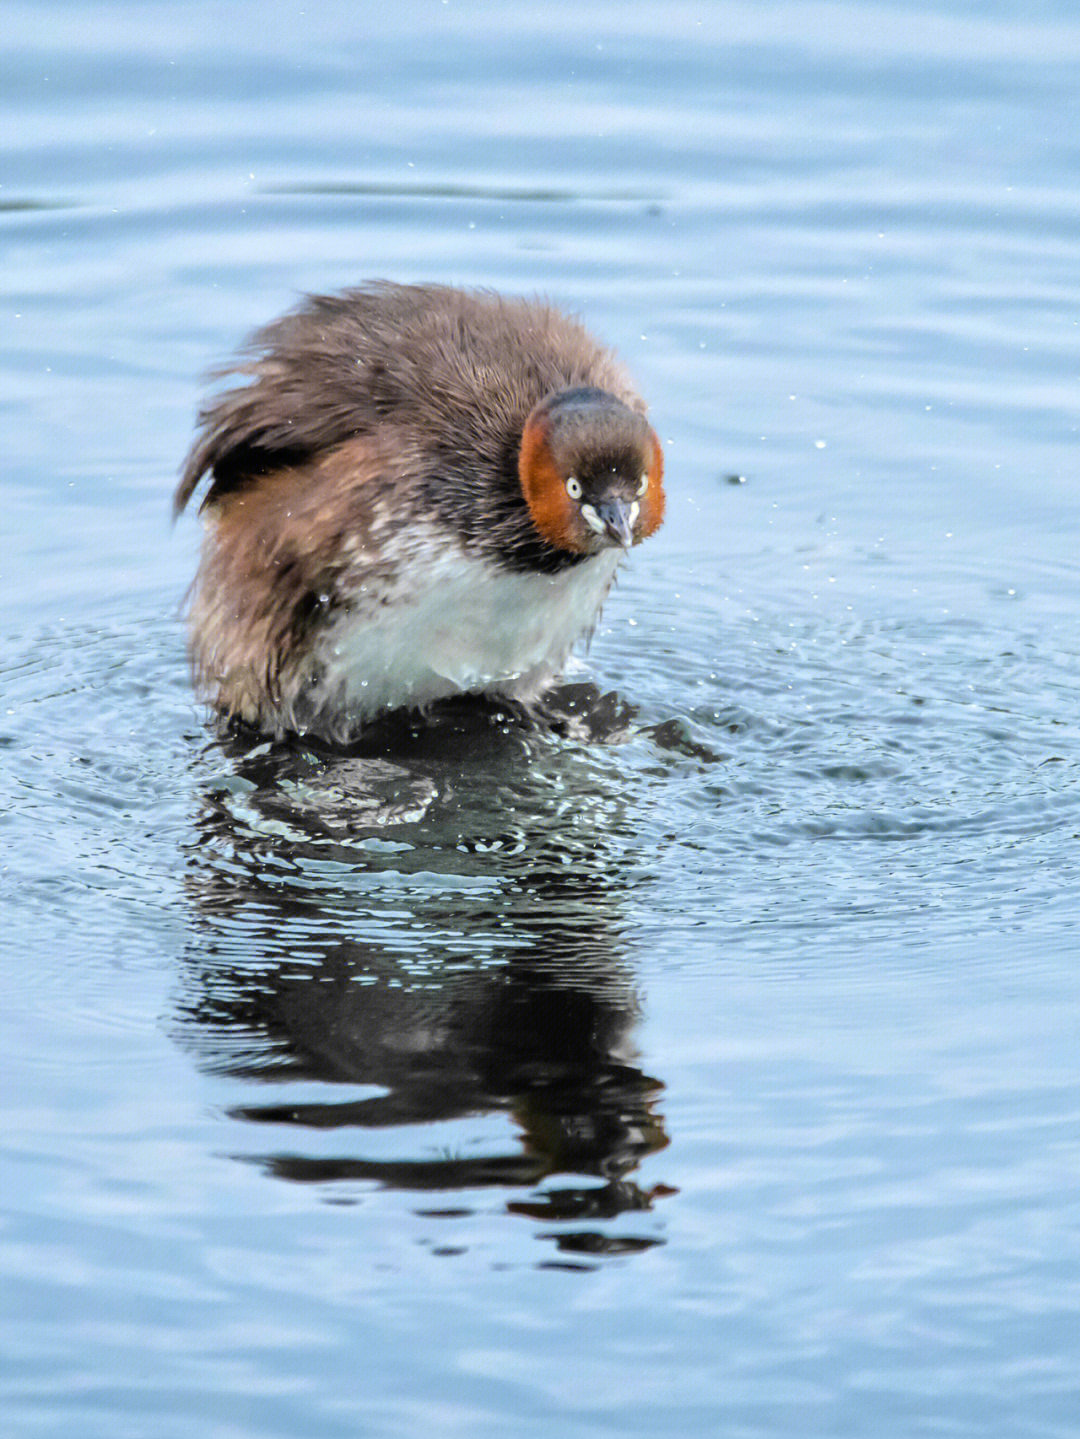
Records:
x=452, y=624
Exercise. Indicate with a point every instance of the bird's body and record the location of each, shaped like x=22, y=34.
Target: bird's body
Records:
x=421, y=492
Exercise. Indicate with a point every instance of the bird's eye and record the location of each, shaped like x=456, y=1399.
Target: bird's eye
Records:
x=573, y=488
x=643, y=485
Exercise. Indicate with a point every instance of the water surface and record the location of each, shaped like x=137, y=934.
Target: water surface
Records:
x=702, y=1060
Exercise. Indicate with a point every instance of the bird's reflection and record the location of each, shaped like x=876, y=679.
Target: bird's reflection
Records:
x=422, y=922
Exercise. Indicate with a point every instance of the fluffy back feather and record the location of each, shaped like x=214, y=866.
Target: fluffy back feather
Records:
x=457, y=371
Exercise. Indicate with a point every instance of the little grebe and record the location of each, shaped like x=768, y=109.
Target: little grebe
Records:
x=419, y=492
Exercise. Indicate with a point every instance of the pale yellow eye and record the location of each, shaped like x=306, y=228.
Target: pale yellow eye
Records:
x=643, y=485
x=573, y=488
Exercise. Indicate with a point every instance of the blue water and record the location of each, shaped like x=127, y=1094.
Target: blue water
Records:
x=709, y=1063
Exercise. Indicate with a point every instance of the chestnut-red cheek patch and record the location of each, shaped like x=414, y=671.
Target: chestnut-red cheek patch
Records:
x=553, y=512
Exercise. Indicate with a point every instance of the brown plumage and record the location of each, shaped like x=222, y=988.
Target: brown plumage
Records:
x=418, y=491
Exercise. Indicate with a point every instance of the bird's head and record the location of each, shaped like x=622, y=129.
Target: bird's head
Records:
x=591, y=471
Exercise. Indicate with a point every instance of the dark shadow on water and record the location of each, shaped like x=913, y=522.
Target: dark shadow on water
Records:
x=434, y=916
x=434, y=191
x=15, y=205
